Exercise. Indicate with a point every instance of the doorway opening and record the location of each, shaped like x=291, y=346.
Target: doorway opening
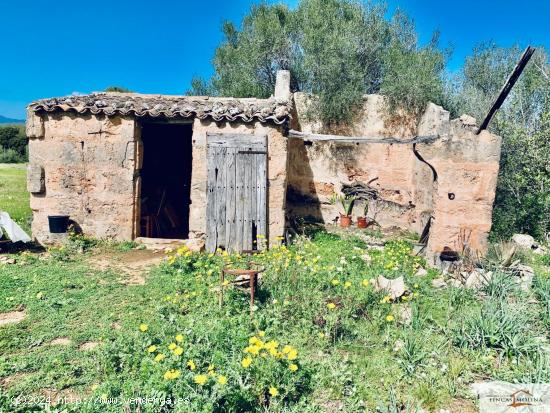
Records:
x=165, y=180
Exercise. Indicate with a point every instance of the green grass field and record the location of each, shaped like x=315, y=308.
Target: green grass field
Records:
x=14, y=197
x=321, y=339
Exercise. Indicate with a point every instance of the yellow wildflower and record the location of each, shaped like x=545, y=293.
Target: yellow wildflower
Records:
x=293, y=367
x=246, y=362
x=201, y=379
x=331, y=306
x=191, y=365
x=253, y=340
x=273, y=344
x=390, y=318
x=178, y=351
x=347, y=284
x=152, y=349
x=159, y=357
x=335, y=282
x=172, y=374
x=172, y=346
x=179, y=338
x=143, y=328
x=365, y=283
x=292, y=355
x=254, y=350
x=261, y=333
x=273, y=391
x=222, y=380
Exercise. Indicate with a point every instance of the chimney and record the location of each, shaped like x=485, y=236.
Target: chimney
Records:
x=282, y=85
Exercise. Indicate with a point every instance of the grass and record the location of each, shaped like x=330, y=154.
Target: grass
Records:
x=14, y=198
x=321, y=338
x=349, y=356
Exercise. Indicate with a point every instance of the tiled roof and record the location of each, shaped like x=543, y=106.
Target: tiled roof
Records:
x=202, y=107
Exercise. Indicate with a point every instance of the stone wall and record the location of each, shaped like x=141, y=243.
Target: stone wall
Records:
x=276, y=169
x=83, y=166
x=87, y=163
x=467, y=167
x=318, y=169
x=409, y=192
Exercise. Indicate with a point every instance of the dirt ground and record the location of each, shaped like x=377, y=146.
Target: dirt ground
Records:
x=132, y=265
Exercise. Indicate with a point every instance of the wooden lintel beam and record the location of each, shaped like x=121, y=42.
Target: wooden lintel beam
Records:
x=360, y=139
x=508, y=85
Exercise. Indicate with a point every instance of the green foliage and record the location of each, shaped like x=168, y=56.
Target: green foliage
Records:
x=523, y=200
x=13, y=144
x=541, y=286
x=342, y=45
x=412, y=75
x=498, y=325
x=118, y=89
x=344, y=354
x=336, y=49
x=247, y=60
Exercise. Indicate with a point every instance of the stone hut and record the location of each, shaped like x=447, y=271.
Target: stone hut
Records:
x=233, y=171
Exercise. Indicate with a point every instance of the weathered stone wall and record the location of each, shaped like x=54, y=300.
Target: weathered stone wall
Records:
x=410, y=193
x=319, y=169
x=277, y=172
x=88, y=173
x=467, y=169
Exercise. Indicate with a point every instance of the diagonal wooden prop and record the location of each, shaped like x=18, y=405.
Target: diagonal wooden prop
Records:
x=510, y=82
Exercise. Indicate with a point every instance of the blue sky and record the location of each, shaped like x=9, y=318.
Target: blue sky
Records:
x=59, y=47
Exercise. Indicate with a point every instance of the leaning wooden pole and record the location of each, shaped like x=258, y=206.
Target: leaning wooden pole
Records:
x=510, y=82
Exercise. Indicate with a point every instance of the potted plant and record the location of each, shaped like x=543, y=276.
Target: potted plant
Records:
x=347, y=202
x=363, y=222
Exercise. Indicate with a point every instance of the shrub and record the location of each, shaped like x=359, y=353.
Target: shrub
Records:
x=10, y=156
x=13, y=144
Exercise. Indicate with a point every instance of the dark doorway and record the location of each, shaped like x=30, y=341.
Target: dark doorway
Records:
x=166, y=180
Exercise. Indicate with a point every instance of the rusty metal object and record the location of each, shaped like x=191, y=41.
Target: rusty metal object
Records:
x=242, y=278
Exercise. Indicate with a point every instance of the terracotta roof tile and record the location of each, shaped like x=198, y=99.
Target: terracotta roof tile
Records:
x=168, y=106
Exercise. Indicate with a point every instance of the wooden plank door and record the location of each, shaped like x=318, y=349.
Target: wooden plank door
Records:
x=236, y=201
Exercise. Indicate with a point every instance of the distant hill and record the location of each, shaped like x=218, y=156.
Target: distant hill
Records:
x=4, y=120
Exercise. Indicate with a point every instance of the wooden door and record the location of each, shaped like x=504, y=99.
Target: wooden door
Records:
x=236, y=201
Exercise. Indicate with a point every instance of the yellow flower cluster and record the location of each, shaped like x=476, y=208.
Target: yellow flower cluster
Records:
x=256, y=347
x=177, y=351
x=172, y=374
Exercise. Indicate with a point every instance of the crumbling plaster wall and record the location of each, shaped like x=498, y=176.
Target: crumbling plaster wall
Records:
x=318, y=169
x=276, y=171
x=88, y=173
x=410, y=191
x=467, y=167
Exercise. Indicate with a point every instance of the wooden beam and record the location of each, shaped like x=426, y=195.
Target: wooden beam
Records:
x=360, y=139
x=508, y=85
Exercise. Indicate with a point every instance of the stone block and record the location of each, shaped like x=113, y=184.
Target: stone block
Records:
x=35, y=179
x=34, y=125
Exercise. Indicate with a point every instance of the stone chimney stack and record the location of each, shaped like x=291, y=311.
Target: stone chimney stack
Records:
x=282, y=85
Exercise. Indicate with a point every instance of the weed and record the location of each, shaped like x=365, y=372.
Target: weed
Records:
x=497, y=325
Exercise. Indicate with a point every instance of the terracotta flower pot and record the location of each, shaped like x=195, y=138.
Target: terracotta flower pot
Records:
x=362, y=222
x=345, y=220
